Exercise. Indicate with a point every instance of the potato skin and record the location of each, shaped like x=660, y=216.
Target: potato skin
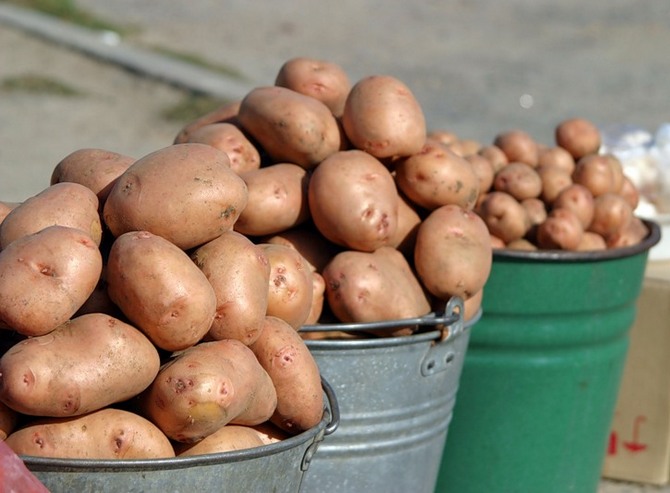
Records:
x=94, y=168
x=354, y=201
x=105, y=434
x=373, y=286
x=225, y=113
x=239, y=272
x=277, y=199
x=518, y=146
x=230, y=139
x=46, y=277
x=578, y=136
x=382, y=117
x=436, y=176
x=453, y=254
x=208, y=386
x=320, y=79
x=289, y=126
x=290, y=286
x=504, y=216
x=85, y=364
x=159, y=288
x=63, y=204
x=186, y=193
x=561, y=230
x=225, y=439
x=295, y=374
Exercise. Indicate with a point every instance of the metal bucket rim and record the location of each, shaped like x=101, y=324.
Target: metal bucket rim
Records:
x=652, y=239
x=384, y=342
x=329, y=422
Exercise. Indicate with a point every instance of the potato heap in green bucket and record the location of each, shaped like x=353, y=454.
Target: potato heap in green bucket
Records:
x=151, y=306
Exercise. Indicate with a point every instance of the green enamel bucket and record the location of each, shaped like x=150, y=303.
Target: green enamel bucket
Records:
x=542, y=371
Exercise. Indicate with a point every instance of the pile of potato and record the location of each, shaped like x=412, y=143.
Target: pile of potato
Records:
x=153, y=306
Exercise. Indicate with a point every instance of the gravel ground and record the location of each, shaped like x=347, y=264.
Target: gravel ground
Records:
x=477, y=67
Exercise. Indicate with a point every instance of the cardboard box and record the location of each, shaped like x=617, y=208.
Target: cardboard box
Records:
x=639, y=445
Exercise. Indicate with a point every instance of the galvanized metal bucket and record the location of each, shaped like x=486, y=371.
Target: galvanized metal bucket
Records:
x=276, y=467
x=396, y=396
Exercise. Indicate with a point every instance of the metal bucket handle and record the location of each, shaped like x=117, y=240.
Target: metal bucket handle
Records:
x=449, y=323
x=333, y=409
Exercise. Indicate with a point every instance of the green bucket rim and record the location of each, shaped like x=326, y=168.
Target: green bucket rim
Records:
x=652, y=239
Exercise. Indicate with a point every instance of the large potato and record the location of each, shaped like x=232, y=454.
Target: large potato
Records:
x=436, y=176
x=277, y=199
x=290, y=126
x=94, y=168
x=105, y=434
x=229, y=138
x=186, y=193
x=290, y=286
x=161, y=291
x=320, y=79
x=453, y=254
x=46, y=277
x=382, y=117
x=353, y=201
x=239, y=272
x=373, y=286
x=295, y=374
x=63, y=204
x=209, y=386
x=85, y=364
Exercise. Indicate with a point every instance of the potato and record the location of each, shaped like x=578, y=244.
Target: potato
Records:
x=504, y=216
x=382, y=117
x=466, y=147
x=408, y=222
x=9, y=419
x=453, y=254
x=45, y=277
x=561, y=230
x=239, y=272
x=225, y=439
x=224, y=113
x=353, y=200
x=6, y=208
x=495, y=155
x=579, y=200
x=556, y=157
x=442, y=136
x=483, y=170
x=374, y=286
x=518, y=146
x=521, y=244
x=208, y=386
x=270, y=433
x=595, y=172
x=105, y=434
x=630, y=192
x=618, y=175
x=311, y=244
x=578, y=136
x=85, y=364
x=277, y=199
x=435, y=176
x=536, y=210
x=554, y=181
x=630, y=235
x=290, y=126
x=472, y=305
x=318, y=298
x=290, y=286
x=295, y=374
x=518, y=179
x=64, y=204
x=161, y=291
x=94, y=168
x=186, y=193
x=591, y=241
x=611, y=214
x=320, y=79
x=230, y=139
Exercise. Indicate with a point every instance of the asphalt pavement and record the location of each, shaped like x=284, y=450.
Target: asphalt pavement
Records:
x=477, y=67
